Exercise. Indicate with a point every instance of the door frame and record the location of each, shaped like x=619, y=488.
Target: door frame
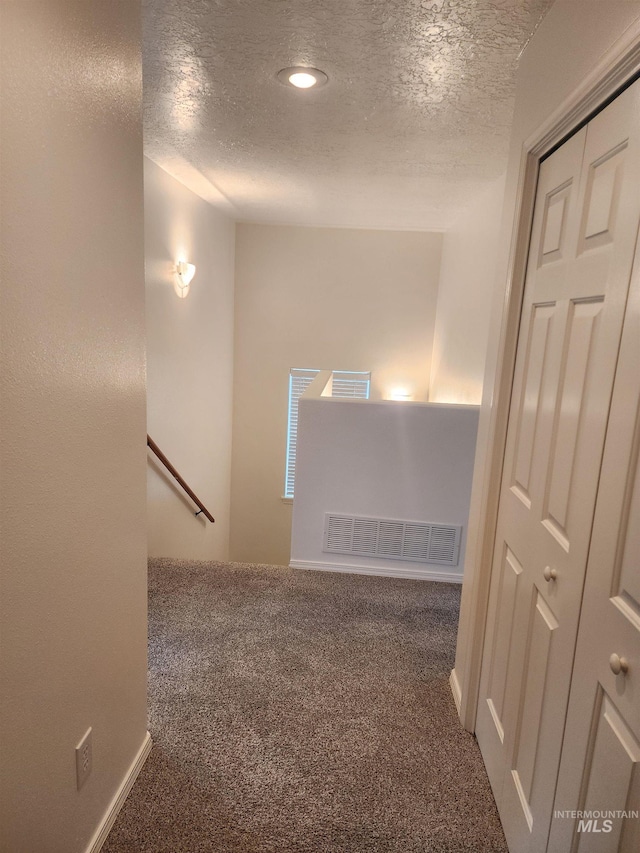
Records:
x=617, y=68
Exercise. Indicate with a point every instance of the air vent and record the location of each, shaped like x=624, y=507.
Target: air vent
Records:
x=392, y=539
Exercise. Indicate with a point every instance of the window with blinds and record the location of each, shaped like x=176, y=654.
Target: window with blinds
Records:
x=351, y=384
x=346, y=383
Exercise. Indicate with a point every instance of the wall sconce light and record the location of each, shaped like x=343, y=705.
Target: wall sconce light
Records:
x=184, y=275
x=401, y=394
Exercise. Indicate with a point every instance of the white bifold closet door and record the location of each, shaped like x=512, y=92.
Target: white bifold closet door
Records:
x=600, y=767
x=581, y=253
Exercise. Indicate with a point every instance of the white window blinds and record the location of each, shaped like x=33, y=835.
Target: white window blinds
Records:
x=351, y=384
x=345, y=384
x=299, y=381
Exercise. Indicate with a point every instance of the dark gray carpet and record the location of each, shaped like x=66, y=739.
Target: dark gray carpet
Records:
x=303, y=712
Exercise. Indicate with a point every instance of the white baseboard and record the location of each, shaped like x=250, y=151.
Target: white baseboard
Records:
x=454, y=684
x=423, y=574
x=100, y=836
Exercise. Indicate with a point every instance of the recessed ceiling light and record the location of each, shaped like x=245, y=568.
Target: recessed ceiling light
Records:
x=302, y=77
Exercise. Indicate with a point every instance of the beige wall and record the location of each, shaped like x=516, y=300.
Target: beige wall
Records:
x=189, y=368
x=549, y=73
x=72, y=419
x=467, y=280
x=326, y=298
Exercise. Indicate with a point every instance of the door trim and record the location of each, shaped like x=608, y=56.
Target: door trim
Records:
x=616, y=70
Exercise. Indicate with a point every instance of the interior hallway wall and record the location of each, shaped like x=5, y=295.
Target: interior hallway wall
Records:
x=72, y=419
x=467, y=281
x=189, y=368
x=321, y=298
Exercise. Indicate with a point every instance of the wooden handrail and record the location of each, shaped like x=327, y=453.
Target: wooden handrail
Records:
x=151, y=443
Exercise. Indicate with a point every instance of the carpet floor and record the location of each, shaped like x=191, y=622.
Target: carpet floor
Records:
x=303, y=712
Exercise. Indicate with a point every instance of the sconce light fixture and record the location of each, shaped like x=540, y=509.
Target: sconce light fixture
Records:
x=401, y=394
x=184, y=274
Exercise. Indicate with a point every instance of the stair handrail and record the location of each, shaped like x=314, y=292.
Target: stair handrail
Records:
x=202, y=508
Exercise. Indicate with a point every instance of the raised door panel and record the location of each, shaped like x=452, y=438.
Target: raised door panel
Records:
x=581, y=343
x=542, y=631
x=625, y=589
x=602, y=202
x=554, y=224
x=609, y=804
x=502, y=640
x=537, y=353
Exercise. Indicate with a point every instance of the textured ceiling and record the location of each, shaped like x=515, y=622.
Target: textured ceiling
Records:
x=414, y=119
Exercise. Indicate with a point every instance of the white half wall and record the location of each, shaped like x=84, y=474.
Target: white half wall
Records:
x=317, y=298
x=392, y=460
x=465, y=294
x=72, y=381
x=189, y=368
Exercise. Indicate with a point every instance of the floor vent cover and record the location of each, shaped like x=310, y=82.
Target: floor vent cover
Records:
x=392, y=539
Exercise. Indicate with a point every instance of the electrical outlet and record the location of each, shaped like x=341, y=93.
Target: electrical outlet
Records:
x=84, y=759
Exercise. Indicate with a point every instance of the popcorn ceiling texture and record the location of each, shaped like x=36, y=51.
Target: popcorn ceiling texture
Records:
x=415, y=117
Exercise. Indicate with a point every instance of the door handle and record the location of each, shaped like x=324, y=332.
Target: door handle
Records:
x=618, y=665
x=550, y=574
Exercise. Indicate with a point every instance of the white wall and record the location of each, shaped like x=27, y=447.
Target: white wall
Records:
x=72, y=419
x=467, y=281
x=325, y=298
x=189, y=368
x=569, y=43
x=396, y=460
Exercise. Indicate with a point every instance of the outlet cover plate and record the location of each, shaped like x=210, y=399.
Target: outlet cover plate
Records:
x=84, y=758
